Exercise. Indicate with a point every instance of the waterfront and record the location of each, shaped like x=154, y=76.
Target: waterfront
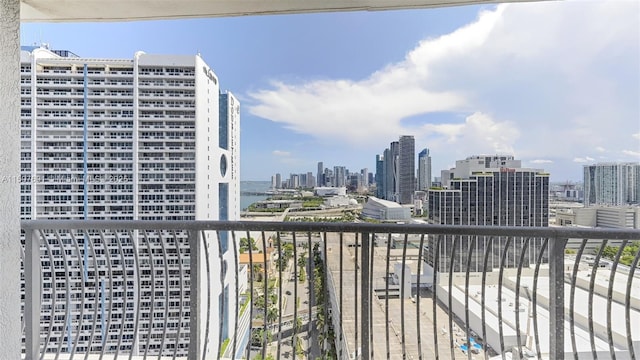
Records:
x=252, y=186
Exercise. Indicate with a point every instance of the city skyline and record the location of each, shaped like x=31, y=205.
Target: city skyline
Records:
x=461, y=85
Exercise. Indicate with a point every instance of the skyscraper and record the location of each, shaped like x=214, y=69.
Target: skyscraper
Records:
x=424, y=170
x=278, y=181
x=390, y=158
x=148, y=138
x=364, y=173
x=320, y=176
x=379, y=177
x=406, y=169
x=340, y=176
x=612, y=184
x=485, y=191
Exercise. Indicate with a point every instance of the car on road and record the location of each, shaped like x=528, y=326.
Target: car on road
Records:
x=288, y=292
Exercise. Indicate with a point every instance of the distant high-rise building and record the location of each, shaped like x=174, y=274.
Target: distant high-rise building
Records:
x=311, y=180
x=612, y=184
x=294, y=181
x=340, y=175
x=406, y=169
x=364, y=173
x=328, y=177
x=379, y=177
x=391, y=172
x=320, y=176
x=489, y=195
x=146, y=138
x=424, y=170
x=278, y=181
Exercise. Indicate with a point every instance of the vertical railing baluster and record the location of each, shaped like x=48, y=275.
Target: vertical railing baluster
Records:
x=133, y=235
x=450, y=313
x=105, y=329
x=592, y=283
x=32, y=293
x=371, y=264
x=402, y=295
x=54, y=296
x=326, y=296
x=386, y=296
x=311, y=292
x=355, y=303
x=294, y=337
x=182, y=280
x=556, y=298
x=488, y=249
x=195, y=315
x=418, y=296
x=523, y=252
x=572, y=294
x=82, y=263
x=534, y=304
x=280, y=270
x=500, y=280
x=341, y=339
x=627, y=303
x=222, y=303
x=469, y=255
x=208, y=285
x=265, y=282
x=614, y=269
x=365, y=296
x=167, y=291
x=435, y=248
x=252, y=271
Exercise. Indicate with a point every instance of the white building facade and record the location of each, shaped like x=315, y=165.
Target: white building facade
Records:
x=147, y=138
x=612, y=184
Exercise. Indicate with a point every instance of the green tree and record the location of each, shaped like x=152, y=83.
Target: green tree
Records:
x=302, y=276
x=302, y=261
x=244, y=245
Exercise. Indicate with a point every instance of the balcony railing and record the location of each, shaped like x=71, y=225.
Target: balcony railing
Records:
x=173, y=289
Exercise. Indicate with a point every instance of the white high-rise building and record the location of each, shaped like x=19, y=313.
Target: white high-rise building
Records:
x=147, y=138
x=613, y=184
x=424, y=170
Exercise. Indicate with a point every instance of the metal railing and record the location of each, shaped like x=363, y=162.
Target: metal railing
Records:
x=172, y=289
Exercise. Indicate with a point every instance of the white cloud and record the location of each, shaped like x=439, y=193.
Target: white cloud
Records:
x=636, y=136
x=583, y=159
x=281, y=153
x=541, y=161
x=631, y=153
x=600, y=149
x=517, y=87
x=478, y=134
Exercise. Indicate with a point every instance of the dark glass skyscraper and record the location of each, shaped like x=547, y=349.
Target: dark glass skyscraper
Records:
x=500, y=196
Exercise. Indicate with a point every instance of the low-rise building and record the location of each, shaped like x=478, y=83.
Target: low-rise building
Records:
x=385, y=210
x=331, y=191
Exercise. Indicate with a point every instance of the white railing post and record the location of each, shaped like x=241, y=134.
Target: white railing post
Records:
x=10, y=327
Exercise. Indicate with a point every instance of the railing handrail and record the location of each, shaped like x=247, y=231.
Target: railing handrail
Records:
x=546, y=232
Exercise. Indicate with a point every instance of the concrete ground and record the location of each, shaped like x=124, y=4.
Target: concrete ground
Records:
x=398, y=309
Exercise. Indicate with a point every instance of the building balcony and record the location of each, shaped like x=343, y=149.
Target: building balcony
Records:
x=342, y=290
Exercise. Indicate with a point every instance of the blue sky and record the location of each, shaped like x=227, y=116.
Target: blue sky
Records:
x=557, y=84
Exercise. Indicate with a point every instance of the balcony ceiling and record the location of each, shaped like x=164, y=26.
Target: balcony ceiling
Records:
x=127, y=10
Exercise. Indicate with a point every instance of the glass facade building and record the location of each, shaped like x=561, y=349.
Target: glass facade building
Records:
x=489, y=196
